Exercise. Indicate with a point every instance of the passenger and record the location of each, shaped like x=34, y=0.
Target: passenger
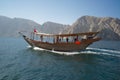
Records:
x=75, y=39
x=67, y=39
x=41, y=37
x=53, y=40
x=59, y=40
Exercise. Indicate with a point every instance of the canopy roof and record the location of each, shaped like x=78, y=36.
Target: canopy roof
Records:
x=67, y=35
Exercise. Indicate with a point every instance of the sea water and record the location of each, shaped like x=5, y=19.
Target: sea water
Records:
x=18, y=61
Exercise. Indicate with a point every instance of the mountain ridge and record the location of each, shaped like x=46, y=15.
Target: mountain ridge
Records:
x=9, y=27
x=108, y=27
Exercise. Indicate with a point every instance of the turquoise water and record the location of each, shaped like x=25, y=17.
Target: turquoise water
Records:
x=100, y=61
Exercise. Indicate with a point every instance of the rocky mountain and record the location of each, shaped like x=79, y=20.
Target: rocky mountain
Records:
x=9, y=27
x=109, y=27
x=52, y=28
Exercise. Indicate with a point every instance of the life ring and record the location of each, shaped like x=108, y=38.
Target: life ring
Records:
x=77, y=42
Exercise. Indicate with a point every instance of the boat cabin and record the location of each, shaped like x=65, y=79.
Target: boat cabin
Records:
x=62, y=38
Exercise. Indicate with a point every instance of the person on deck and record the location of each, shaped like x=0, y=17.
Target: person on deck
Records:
x=41, y=37
x=67, y=39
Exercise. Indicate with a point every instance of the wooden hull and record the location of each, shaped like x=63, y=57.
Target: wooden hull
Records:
x=61, y=46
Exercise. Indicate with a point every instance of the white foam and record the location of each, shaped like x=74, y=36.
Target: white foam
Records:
x=58, y=52
x=37, y=48
x=105, y=50
x=87, y=51
x=65, y=53
x=29, y=46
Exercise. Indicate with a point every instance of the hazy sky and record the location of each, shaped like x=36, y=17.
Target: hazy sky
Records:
x=60, y=11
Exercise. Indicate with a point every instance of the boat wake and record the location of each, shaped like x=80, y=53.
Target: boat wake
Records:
x=88, y=50
x=102, y=51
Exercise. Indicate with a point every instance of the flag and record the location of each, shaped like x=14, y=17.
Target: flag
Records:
x=35, y=30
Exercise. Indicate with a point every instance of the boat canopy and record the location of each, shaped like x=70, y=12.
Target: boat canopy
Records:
x=66, y=35
x=44, y=34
